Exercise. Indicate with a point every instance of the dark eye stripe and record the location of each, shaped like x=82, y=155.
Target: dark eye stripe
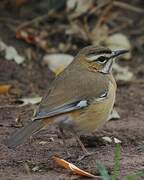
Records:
x=102, y=59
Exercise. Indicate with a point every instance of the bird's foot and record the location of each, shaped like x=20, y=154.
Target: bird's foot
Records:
x=86, y=154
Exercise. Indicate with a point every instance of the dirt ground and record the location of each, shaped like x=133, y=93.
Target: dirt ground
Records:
x=33, y=159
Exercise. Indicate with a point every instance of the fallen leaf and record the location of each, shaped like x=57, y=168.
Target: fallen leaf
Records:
x=4, y=88
x=43, y=142
x=79, y=6
x=73, y=168
x=57, y=62
x=110, y=140
x=117, y=141
x=119, y=41
x=35, y=168
x=10, y=53
x=3, y=46
x=29, y=100
x=113, y=115
x=107, y=139
x=122, y=73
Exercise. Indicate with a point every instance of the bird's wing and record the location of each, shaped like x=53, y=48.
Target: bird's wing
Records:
x=62, y=109
x=71, y=91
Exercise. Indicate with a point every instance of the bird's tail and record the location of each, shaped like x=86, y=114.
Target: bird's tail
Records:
x=21, y=135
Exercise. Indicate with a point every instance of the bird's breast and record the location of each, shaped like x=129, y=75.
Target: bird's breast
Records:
x=97, y=112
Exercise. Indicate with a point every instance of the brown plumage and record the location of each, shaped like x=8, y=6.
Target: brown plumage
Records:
x=80, y=98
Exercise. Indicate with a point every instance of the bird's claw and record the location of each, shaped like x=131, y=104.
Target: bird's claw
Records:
x=85, y=155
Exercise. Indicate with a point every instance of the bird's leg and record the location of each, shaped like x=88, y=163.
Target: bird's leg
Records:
x=62, y=135
x=67, y=123
x=85, y=151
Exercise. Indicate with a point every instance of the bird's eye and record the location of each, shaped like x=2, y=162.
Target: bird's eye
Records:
x=102, y=59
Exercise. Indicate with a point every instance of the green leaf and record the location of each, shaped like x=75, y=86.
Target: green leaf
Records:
x=116, y=168
x=130, y=177
x=133, y=176
x=102, y=170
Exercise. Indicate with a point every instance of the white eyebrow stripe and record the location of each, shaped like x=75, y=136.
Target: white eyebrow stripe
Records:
x=94, y=57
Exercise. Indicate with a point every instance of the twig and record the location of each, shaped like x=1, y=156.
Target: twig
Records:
x=35, y=20
x=99, y=6
x=118, y=28
x=39, y=19
x=10, y=125
x=105, y=11
x=128, y=7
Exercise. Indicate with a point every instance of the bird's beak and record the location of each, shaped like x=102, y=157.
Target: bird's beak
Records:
x=117, y=53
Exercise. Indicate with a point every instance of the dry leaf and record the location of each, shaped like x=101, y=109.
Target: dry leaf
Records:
x=82, y=6
x=73, y=168
x=113, y=115
x=107, y=139
x=3, y=46
x=43, y=142
x=4, y=88
x=110, y=140
x=57, y=62
x=35, y=168
x=119, y=41
x=33, y=100
x=11, y=53
x=122, y=73
x=117, y=141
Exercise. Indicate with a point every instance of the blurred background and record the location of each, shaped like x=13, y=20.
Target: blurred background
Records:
x=38, y=39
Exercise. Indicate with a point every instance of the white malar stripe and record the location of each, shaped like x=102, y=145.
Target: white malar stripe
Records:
x=100, y=99
x=82, y=104
x=108, y=67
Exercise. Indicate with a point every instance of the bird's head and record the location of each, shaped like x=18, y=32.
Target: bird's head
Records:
x=99, y=59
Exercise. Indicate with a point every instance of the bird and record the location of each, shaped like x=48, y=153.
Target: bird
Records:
x=80, y=99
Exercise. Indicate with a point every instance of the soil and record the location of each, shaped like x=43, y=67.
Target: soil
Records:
x=34, y=158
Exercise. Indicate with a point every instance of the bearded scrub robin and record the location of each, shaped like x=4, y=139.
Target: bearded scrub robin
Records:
x=79, y=99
